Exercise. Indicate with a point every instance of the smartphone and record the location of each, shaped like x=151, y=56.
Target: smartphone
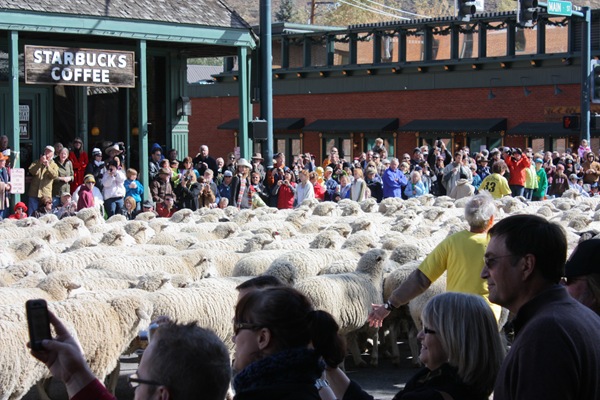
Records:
x=38, y=322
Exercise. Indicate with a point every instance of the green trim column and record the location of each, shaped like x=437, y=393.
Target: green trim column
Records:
x=13, y=117
x=244, y=90
x=142, y=92
x=82, y=116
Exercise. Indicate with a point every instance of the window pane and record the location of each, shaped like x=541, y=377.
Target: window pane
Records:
x=537, y=145
x=280, y=146
x=347, y=149
x=559, y=145
x=296, y=146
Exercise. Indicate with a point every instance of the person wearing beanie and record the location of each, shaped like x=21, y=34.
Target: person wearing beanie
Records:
x=20, y=211
x=86, y=194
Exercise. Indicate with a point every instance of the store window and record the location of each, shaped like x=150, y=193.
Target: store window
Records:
x=342, y=143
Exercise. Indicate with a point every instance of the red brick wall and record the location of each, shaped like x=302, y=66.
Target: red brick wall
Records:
x=510, y=102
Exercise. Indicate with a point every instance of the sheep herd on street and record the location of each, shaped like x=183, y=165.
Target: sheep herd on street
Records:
x=109, y=279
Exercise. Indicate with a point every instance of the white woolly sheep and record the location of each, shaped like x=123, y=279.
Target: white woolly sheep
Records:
x=348, y=297
x=105, y=329
x=51, y=289
x=399, y=321
x=211, y=302
x=369, y=205
x=254, y=264
x=327, y=209
x=327, y=239
x=309, y=262
x=193, y=265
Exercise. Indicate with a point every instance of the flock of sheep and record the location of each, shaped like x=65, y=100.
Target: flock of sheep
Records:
x=109, y=279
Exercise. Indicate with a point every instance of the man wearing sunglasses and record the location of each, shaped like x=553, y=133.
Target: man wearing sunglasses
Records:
x=555, y=354
x=182, y=361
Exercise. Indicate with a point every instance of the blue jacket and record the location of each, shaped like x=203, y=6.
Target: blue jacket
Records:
x=394, y=183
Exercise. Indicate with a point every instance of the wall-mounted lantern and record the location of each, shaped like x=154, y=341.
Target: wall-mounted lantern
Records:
x=184, y=106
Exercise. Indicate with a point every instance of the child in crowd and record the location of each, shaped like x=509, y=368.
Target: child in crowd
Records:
x=134, y=188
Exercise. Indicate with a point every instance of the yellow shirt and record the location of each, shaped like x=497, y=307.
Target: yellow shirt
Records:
x=461, y=255
x=496, y=184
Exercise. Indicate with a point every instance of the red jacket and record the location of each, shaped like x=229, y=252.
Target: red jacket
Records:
x=517, y=169
x=163, y=211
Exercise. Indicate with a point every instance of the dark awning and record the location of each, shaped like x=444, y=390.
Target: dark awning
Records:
x=353, y=125
x=279, y=124
x=455, y=125
x=544, y=129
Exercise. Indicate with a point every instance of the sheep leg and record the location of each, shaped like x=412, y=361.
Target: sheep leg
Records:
x=393, y=342
x=413, y=344
x=42, y=387
x=375, y=350
x=354, y=350
x=113, y=378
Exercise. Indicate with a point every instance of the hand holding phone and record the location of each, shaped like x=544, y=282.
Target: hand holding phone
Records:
x=38, y=322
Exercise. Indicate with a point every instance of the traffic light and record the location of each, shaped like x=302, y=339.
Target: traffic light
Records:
x=595, y=81
x=527, y=13
x=571, y=122
x=465, y=9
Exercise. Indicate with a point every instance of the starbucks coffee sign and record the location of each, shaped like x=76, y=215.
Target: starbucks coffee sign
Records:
x=81, y=67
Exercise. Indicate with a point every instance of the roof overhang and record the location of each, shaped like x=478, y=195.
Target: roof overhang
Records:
x=353, y=125
x=455, y=125
x=545, y=129
x=125, y=29
x=279, y=124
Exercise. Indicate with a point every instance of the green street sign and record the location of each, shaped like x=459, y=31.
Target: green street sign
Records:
x=560, y=8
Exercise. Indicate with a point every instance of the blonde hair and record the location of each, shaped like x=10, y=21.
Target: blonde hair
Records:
x=130, y=200
x=469, y=335
x=130, y=172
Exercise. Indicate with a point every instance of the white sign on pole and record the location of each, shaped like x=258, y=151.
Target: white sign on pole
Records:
x=480, y=5
x=17, y=180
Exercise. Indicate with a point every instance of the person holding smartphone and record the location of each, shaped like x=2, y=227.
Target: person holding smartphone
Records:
x=201, y=365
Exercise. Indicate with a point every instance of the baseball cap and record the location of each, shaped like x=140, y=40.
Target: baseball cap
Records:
x=147, y=204
x=539, y=160
x=50, y=148
x=227, y=173
x=584, y=260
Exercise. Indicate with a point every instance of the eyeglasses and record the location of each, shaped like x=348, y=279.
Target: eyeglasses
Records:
x=134, y=381
x=238, y=326
x=428, y=331
x=406, y=158
x=490, y=261
x=232, y=158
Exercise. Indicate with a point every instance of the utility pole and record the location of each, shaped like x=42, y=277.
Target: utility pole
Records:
x=312, y=12
x=266, y=73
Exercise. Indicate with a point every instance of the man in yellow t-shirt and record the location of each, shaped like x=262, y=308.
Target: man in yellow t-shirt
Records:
x=496, y=184
x=461, y=255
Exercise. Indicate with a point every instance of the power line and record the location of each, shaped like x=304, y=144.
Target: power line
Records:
x=371, y=9
x=399, y=10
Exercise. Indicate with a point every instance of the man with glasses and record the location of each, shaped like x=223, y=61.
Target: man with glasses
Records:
x=182, y=361
x=556, y=351
x=459, y=255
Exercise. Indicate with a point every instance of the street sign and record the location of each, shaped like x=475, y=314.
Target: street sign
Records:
x=560, y=8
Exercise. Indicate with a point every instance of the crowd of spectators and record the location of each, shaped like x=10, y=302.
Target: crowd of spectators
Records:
x=103, y=181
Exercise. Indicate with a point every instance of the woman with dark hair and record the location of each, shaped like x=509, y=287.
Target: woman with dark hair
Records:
x=282, y=345
x=461, y=349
